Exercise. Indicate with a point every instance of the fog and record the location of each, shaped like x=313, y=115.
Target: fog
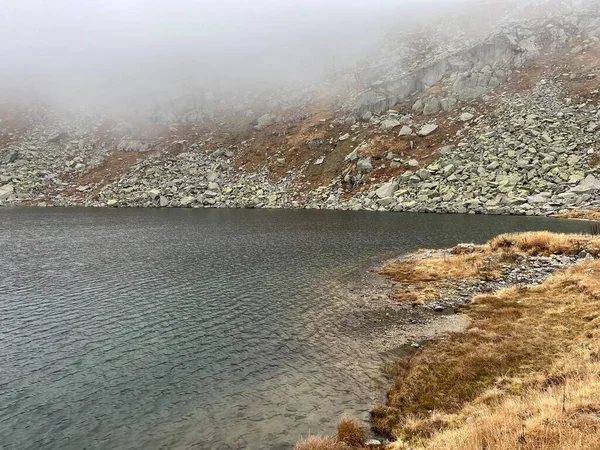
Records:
x=96, y=54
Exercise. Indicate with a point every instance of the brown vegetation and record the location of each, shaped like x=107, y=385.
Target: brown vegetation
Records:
x=351, y=432
x=424, y=278
x=545, y=243
x=320, y=443
x=526, y=372
x=584, y=215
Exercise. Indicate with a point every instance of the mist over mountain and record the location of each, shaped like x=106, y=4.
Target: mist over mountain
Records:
x=115, y=55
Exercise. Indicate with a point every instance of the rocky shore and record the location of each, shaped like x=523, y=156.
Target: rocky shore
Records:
x=469, y=291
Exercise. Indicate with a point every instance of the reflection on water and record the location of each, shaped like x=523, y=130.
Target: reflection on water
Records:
x=150, y=329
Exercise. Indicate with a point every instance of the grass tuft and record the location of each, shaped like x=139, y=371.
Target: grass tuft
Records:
x=351, y=432
x=320, y=443
x=544, y=243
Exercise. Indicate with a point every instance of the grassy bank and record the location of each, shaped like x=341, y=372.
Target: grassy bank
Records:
x=583, y=215
x=525, y=374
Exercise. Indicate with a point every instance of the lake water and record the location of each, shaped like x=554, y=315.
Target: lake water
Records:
x=193, y=329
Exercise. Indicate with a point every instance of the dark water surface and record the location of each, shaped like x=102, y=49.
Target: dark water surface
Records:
x=185, y=329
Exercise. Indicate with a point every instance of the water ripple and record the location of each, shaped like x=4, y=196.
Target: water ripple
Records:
x=191, y=329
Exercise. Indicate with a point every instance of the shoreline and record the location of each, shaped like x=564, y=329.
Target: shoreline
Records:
x=524, y=266
x=591, y=215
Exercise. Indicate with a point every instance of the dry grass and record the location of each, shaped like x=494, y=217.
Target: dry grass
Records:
x=423, y=279
x=584, y=215
x=351, y=432
x=433, y=269
x=502, y=384
x=545, y=243
x=320, y=443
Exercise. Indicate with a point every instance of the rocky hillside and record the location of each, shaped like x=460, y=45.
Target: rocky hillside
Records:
x=451, y=118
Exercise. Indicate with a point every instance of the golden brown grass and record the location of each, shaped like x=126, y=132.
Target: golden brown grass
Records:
x=545, y=243
x=422, y=279
x=320, y=443
x=450, y=267
x=351, y=432
x=585, y=215
x=526, y=374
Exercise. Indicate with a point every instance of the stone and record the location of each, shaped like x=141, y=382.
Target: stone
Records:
x=427, y=129
x=12, y=157
x=424, y=174
x=6, y=191
x=448, y=170
x=418, y=106
x=353, y=156
x=390, y=124
x=589, y=184
x=466, y=116
x=445, y=151
x=387, y=189
x=186, y=201
x=314, y=144
x=493, y=165
x=154, y=194
x=542, y=197
x=344, y=137
x=432, y=106
x=576, y=50
x=319, y=161
x=413, y=163
x=111, y=202
x=364, y=165
x=264, y=121
x=56, y=137
x=405, y=131
x=448, y=104
x=163, y=201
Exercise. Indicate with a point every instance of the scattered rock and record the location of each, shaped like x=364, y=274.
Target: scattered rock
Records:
x=426, y=130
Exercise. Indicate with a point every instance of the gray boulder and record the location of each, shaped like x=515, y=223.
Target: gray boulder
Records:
x=364, y=165
x=387, y=189
x=164, y=201
x=6, y=191
x=466, y=116
x=448, y=104
x=432, y=106
x=427, y=129
x=418, y=106
x=424, y=174
x=405, y=131
x=264, y=121
x=589, y=184
x=390, y=124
